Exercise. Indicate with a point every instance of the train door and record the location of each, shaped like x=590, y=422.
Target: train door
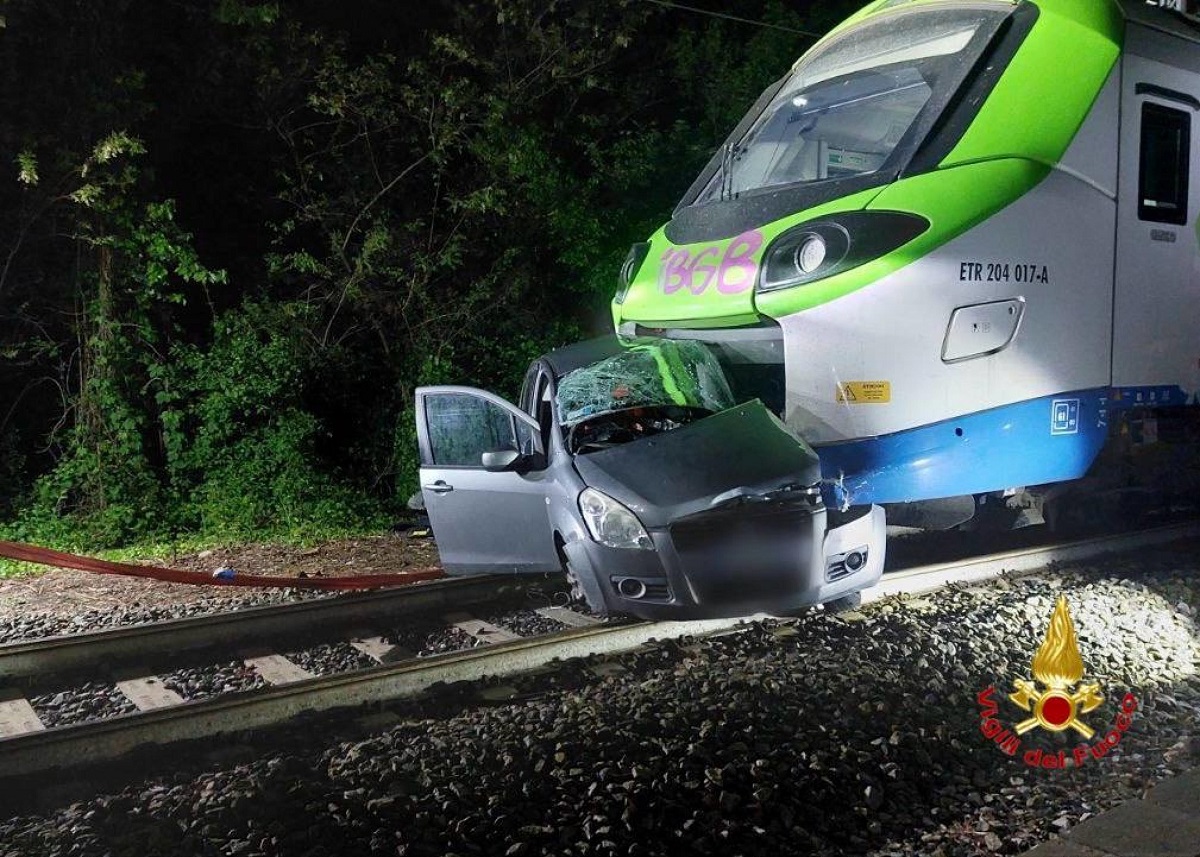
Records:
x=1156, y=306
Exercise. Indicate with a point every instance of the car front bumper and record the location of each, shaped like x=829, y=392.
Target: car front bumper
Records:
x=770, y=558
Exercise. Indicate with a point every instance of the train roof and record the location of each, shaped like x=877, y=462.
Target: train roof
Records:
x=1145, y=13
x=1155, y=17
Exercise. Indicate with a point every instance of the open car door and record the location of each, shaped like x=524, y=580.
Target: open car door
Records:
x=485, y=521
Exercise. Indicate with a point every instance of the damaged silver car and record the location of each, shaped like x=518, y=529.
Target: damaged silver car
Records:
x=634, y=466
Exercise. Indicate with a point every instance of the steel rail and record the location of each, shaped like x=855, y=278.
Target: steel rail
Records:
x=969, y=570
x=157, y=643
x=106, y=740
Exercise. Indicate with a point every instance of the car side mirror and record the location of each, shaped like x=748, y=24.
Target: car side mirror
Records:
x=498, y=460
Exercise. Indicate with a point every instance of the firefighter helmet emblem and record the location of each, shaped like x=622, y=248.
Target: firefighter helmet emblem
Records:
x=1058, y=668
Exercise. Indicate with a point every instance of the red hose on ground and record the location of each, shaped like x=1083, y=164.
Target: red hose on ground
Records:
x=45, y=556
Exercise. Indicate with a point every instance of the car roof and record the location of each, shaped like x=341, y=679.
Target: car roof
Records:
x=571, y=357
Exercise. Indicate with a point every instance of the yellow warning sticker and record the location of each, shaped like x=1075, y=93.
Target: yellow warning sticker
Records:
x=864, y=392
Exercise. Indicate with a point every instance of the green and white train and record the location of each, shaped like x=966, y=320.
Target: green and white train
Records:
x=961, y=240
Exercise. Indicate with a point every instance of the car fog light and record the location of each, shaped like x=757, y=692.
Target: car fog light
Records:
x=631, y=587
x=855, y=560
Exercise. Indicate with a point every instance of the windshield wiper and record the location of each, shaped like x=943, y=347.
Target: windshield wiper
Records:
x=729, y=152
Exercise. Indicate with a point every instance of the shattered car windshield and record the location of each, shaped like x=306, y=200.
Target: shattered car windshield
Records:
x=648, y=388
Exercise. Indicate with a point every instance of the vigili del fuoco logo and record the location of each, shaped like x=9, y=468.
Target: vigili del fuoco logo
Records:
x=1057, y=700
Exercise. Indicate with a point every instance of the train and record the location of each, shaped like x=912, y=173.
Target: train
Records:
x=945, y=273
x=959, y=243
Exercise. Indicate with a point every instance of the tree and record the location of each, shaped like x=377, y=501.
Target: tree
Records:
x=235, y=238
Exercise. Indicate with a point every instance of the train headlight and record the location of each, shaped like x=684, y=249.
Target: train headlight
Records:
x=611, y=523
x=821, y=248
x=811, y=254
x=629, y=268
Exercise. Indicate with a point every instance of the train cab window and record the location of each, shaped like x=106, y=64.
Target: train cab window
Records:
x=848, y=106
x=1163, y=164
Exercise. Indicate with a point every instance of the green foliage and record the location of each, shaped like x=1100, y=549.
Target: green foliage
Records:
x=236, y=13
x=106, y=481
x=241, y=446
x=265, y=482
x=12, y=465
x=28, y=170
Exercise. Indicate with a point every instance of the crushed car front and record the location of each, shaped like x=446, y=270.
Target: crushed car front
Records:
x=696, y=504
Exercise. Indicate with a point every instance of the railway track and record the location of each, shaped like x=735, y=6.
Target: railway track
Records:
x=180, y=642
x=164, y=720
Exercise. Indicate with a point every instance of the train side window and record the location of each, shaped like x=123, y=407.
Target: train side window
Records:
x=1163, y=164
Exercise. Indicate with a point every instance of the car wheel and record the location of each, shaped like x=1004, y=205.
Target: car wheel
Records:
x=580, y=593
x=844, y=604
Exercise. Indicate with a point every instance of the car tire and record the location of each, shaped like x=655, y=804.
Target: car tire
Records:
x=580, y=593
x=844, y=604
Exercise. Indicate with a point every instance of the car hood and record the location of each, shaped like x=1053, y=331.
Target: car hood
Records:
x=743, y=453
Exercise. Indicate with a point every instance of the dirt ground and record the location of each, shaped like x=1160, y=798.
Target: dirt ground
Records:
x=60, y=592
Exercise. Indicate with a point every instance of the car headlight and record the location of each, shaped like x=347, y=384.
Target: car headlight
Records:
x=611, y=523
x=819, y=249
x=629, y=268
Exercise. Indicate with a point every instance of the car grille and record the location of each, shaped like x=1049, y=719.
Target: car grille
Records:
x=747, y=553
x=657, y=591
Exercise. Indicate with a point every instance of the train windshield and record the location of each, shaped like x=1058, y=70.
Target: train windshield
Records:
x=849, y=105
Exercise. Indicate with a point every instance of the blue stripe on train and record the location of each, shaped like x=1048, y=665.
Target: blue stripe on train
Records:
x=1050, y=439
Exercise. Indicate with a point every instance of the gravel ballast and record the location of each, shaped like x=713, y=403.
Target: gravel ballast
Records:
x=829, y=735
x=35, y=625
x=208, y=681
x=425, y=640
x=330, y=658
x=524, y=623
x=90, y=701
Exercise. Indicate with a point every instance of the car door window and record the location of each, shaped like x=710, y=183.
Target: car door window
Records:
x=462, y=427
